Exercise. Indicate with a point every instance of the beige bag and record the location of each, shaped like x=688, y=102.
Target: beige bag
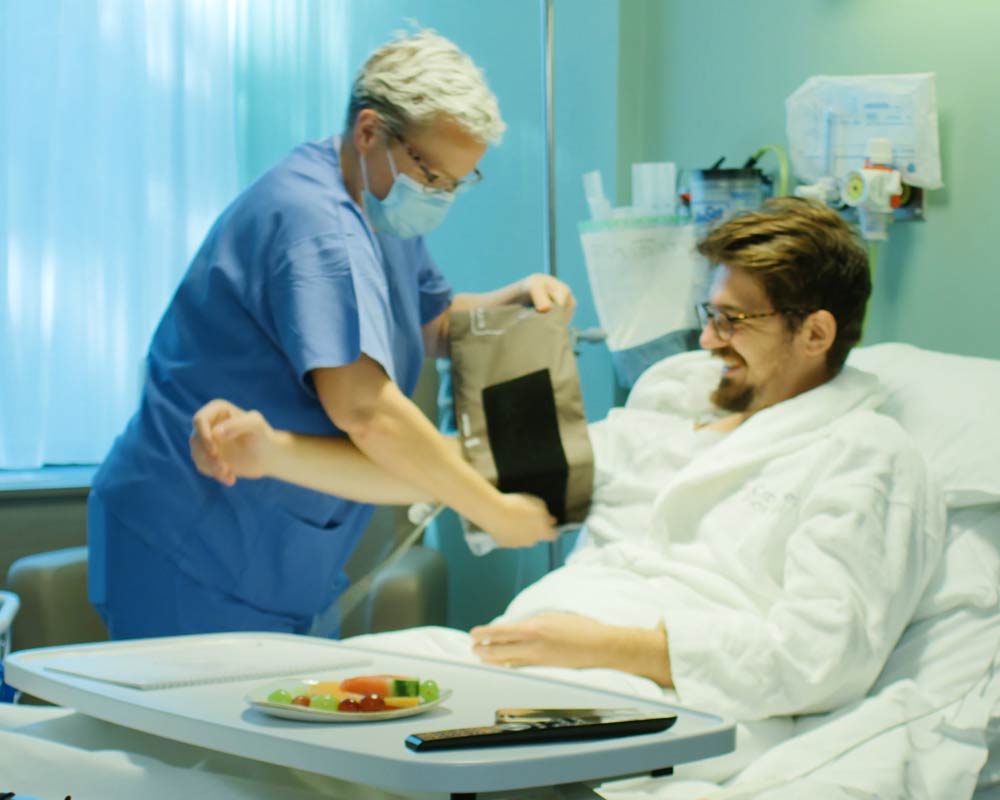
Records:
x=518, y=405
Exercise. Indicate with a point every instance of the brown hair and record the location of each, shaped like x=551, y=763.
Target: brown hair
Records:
x=807, y=258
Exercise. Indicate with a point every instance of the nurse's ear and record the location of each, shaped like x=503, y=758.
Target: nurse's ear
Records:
x=366, y=132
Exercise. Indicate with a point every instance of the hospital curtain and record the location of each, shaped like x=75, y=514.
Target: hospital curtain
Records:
x=126, y=126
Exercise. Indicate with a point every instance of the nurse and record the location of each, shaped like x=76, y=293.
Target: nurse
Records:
x=313, y=299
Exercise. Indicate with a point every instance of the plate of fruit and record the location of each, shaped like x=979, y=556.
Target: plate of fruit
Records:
x=363, y=698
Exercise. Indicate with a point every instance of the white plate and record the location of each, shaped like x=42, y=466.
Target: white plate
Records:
x=258, y=699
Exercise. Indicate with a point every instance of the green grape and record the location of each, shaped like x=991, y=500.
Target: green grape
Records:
x=326, y=702
x=429, y=691
x=279, y=696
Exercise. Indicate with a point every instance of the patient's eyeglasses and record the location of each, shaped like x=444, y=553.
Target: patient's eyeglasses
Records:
x=725, y=323
x=434, y=182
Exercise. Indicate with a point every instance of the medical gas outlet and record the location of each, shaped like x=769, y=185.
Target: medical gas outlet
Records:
x=875, y=190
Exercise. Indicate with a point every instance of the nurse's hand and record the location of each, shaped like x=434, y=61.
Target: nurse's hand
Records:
x=523, y=520
x=543, y=291
x=228, y=442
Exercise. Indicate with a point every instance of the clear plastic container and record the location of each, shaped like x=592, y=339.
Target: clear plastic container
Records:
x=654, y=188
x=718, y=194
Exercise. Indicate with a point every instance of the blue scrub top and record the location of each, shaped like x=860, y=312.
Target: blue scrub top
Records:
x=291, y=278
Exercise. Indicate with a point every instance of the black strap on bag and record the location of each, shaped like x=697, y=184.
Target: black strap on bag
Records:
x=523, y=430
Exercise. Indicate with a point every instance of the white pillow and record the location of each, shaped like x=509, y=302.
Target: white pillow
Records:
x=969, y=571
x=948, y=648
x=945, y=402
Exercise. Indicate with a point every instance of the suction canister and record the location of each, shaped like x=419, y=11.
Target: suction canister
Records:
x=718, y=194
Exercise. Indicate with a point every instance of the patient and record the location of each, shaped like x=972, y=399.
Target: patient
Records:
x=760, y=536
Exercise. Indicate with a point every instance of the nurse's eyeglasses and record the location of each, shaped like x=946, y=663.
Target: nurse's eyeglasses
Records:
x=725, y=323
x=439, y=183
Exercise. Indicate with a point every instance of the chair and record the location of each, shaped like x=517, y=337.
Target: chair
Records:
x=55, y=610
x=54, y=606
x=9, y=604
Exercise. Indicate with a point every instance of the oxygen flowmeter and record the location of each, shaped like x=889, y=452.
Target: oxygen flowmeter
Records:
x=876, y=189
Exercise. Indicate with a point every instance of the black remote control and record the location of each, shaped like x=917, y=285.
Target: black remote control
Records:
x=554, y=730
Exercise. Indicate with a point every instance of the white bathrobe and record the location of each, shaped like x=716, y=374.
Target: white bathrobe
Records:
x=784, y=558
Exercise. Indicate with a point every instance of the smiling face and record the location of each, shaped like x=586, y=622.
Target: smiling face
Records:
x=765, y=362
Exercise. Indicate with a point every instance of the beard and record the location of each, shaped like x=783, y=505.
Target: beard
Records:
x=730, y=395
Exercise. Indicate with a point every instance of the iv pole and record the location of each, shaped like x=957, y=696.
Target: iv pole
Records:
x=550, y=181
x=550, y=154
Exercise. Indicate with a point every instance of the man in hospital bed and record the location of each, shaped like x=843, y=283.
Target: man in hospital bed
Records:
x=760, y=536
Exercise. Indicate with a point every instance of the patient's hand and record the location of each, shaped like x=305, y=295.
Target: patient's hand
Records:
x=228, y=442
x=570, y=640
x=552, y=640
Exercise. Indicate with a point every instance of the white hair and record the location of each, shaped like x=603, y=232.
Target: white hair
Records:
x=420, y=77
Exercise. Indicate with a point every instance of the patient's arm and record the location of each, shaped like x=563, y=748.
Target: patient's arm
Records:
x=569, y=640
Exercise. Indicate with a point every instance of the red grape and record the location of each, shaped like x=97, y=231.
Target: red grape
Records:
x=372, y=702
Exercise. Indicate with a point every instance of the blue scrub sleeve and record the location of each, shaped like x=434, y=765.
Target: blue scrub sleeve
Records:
x=314, y=296
x=435, y=292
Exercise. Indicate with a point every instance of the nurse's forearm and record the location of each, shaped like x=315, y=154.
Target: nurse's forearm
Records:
x=386, y=426
x=399, y=438
x=335, y=466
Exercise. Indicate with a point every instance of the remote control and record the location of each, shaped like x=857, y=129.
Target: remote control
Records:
x=554, y=730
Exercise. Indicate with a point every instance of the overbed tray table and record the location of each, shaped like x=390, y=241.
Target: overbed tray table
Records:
x=217, y=716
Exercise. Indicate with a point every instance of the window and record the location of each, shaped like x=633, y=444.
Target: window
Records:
x=128, y=126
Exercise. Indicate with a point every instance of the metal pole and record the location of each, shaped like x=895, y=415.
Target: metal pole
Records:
x=550, y=152
x=550, y=186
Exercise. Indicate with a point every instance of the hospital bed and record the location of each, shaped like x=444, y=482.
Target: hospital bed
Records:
x=930, y=726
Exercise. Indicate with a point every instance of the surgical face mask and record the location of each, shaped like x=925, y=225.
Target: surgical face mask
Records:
x=409, y=209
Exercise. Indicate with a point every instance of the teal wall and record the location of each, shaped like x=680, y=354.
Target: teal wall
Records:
x=700, y=79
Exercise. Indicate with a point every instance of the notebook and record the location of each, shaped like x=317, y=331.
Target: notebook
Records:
x=151, y=665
